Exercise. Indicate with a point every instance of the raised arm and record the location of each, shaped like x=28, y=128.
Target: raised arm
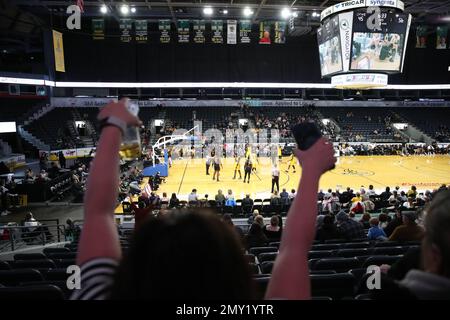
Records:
x=290, y=275
x=99, y=237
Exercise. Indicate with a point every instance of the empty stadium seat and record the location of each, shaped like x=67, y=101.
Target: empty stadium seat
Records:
x=320, y=254
x=258, y=250
x=62, y=255
x=316, y=247
x=352, y=252
x=249, y=258
x=34, y=264
x=389, y=251
x=4, y=265
x=358, y=273
x=266, y=266
x=379, y=260
x=254, y=268
x=55, y=250
x=386, y=244
x=29, y=256
x=35, y=292
x=261, y=286
x=64, y=263
x=338, y=264
x=267, y=256
x=337, y=285
x=14, y=277
x=58, y=274
x=355, y=245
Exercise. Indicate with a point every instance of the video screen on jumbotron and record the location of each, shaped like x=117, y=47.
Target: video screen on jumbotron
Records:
x=379, y=48
x=328, y=38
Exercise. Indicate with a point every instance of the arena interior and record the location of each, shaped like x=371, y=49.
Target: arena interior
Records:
x=213, y=176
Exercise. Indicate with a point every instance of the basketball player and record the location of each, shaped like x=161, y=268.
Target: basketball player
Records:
x=247, y=169
x=292, y=162
x=280, y=154
x=217, y=167
x=208, y=164
x=275, y=178
x=237, y=167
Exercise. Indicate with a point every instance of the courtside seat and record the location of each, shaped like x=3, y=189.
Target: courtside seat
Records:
x=266, y=266
x=337, y=285
x=35, y=292
x=339, y=264
x=55, y=250
x=30, y=256
x=389, y=251
x=320, y=254
x=379, y=260
x=4, y=265
x=14, y=277
x=41, y=264
x=257, y=250
x=352, y=252
x=267, y=256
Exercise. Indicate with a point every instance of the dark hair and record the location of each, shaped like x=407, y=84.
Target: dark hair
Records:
x=437, y=226
x=174, y=196
x=328, y=219
x=184, y=255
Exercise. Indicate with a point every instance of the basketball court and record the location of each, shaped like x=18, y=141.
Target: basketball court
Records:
x=425, y=172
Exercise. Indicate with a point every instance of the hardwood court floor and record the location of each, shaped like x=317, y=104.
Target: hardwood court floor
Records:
x=426, y=172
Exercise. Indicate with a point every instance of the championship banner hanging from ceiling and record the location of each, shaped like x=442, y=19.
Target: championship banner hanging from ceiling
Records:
x=98, y=29
x=264, y=32
x=199, y=27
x=421, y=37
x=217, y=31
x=58, y=48
x=125, y=27
x=231, y=31
x=141, y=33
x=183, y=31
x=245, y=28
x=441, y=37
x=164, y=29
x=280, y=32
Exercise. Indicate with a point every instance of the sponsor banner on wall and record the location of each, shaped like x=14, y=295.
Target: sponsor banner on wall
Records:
x=345, y=28
x=183, y=31
x=245, y=29
x=125, y=29
x=199, y=27
x=421, y=37
x=69, y=153
x=164, y=29
x=217, y=31
x=264, y=33
x=280, y=32
x=80, y=102
x=58, y=48
x=98, y=29
x=441, y=37
x=141, y=33
x=231, y=31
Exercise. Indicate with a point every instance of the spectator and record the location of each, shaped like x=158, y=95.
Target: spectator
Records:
x=409, y=204
x=151, y=267
x=292, y=195
x=53, y=172
x=72, y=231
x=4, y=199
x=383, y=219
x=247, y=204
x=275, y=199
x=395, y=222
x=251, y=219
x=412, y=192
x=371, y=192
x=192, y=197
x=174, y=202
x=365, y=220
x=367, y=203
x=349, y=229
x=141, y=213
x=328, y=229
x=255, y=237
x=259, y=219
x=220, y=198
x=273, y=230
x=375, y=232
x=384, y=196
x=229, y=200
x=229, y=222
x=409, y=230
x=284, y=197
x=164, y=197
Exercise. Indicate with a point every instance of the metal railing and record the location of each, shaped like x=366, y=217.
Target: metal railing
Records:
x=13, y=237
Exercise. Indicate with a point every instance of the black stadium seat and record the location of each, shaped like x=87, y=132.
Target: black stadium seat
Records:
x=386, y=244
x=338, y=264
x=14, y=277
x=320, y=254
x=56, y=274
x=267, y=256
x=266, y=266
x=36, y=292
x=34, y=264
x=261, y=286
x=352, y=252
x=389, y=251
x=62, y=255
x=355, y=245
x=254, y=268
x=257, y=250
x=29, y=256
x=55, y=250
x=379, y=260
x=337, y=285
x=64, y=263
x=4, y=265
x=316, y=247
x=358, y=273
